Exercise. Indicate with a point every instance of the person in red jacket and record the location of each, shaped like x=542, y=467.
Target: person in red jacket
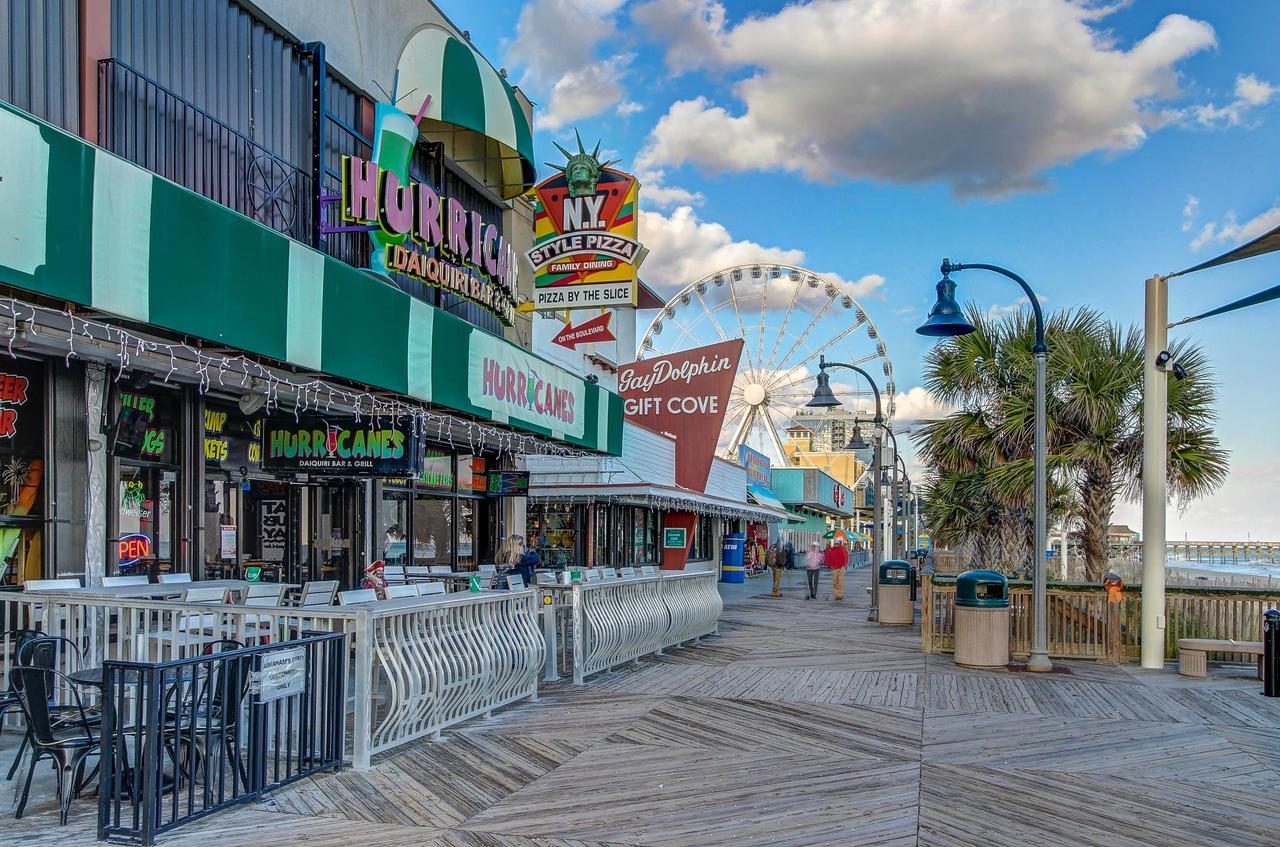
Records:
x=837, y=559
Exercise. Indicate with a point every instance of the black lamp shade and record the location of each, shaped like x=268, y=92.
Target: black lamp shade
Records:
x=856, y=441
x=823, y=398
x=946, y=318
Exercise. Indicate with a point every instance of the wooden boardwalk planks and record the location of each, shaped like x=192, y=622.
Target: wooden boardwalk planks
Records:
x=802, y=725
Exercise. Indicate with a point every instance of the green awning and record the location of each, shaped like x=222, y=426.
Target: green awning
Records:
x=468, y=94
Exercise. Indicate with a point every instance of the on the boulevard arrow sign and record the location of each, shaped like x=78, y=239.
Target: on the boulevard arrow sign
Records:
x=596, y=329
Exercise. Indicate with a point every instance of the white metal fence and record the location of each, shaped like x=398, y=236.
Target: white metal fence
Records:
x=419, y=665
x=613, y=621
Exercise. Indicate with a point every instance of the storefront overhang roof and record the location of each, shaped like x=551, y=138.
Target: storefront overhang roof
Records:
x=662, y=496
x=762, y=496
x=113, y=239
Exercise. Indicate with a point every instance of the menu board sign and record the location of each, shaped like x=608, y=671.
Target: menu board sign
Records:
x=508, y=483
x=339, y=446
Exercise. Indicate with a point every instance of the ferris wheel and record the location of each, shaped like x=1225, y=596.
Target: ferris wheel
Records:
x=787, y=317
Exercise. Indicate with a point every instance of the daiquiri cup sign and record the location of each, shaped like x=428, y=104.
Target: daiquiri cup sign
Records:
x=684, y=395
x=339, y=446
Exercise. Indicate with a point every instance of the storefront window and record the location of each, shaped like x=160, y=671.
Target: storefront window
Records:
x=432, y=530
x=221, y=529
x=21, y=471
x=703, y=547
x=644, y=529
x=472, y=475
x=143, y=439
x=393, y=520
x=468, y=531
x=553, y=529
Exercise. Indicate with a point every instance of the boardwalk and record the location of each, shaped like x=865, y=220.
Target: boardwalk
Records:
x=803, y=725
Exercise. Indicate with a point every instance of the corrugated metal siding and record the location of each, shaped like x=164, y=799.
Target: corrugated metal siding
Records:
x=40, y=66
x=224, y=61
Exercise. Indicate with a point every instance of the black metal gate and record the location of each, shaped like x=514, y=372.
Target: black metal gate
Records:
x=185, y=738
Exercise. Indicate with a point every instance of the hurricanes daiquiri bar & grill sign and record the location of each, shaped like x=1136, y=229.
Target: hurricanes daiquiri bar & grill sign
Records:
x=320, y=445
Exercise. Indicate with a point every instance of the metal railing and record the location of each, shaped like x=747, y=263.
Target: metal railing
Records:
x=598, y=625
x=142, y=121
x=416, y=665
x=1084, y=625
x=185, y=738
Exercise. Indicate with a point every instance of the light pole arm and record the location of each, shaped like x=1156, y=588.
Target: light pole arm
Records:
x=948, y=266
x=823, y=364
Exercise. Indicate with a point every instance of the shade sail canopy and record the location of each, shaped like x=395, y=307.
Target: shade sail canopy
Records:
x=1267, y=243
x=1272, y=293
x=468, y=94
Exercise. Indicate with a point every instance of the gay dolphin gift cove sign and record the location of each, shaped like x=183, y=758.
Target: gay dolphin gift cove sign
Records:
x=684, y=395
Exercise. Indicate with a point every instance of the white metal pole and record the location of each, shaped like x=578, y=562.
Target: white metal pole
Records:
x=877, y=539
x=1155, y=460
x=1066, y=570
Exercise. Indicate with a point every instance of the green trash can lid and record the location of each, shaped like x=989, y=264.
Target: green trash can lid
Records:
x=982, y=589
x=895, y=572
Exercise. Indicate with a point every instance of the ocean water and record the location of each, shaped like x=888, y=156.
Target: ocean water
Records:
x=1264, y=568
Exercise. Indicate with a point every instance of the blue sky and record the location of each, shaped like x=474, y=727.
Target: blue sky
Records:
x=1063, y=140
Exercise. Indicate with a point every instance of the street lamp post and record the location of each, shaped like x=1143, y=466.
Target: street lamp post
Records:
x=824, y=398
x=947, y=319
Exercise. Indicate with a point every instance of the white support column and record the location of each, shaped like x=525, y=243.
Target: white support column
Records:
x=95, y=514
x=1066, y=564
x=1155, y=459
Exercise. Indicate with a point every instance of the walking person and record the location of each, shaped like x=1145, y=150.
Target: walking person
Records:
x=837, y=559
x=774, y=558
x=813, y=561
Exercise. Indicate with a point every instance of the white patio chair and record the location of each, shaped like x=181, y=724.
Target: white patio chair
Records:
x=394, y=574
x=359, y=595
x=515, y=582
x=627, y=571
x=439, y=569
x=395, y=592
x=427, y=588
x=171, y=578
x=318, y=593
x=113, y=581
x=488, y=569
x=264, y=594
x=648, y=570
x=50, y=584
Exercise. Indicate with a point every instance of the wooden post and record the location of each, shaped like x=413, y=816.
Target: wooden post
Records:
x=926, y=612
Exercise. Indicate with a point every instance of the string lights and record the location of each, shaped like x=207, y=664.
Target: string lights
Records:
x=314, y=395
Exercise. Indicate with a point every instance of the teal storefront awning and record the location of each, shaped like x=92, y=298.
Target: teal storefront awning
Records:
x=88, y=228
x=762, y=496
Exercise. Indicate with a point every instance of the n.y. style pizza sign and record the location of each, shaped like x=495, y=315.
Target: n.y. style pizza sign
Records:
x=683, y=395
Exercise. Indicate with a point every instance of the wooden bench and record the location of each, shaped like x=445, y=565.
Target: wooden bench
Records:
x=1193, y=653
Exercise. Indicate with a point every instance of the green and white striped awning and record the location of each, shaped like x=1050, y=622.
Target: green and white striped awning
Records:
x=468, y=94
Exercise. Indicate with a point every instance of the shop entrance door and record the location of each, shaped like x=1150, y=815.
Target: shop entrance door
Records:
x=327, y=531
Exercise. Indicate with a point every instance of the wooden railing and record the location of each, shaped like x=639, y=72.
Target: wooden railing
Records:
x=1084, y=625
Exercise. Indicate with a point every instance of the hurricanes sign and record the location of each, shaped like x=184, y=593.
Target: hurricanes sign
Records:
x=585, y=251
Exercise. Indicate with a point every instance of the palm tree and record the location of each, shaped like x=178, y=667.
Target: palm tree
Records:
x=1094, y=425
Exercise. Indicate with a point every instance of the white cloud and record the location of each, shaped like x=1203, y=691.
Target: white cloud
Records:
x=655, y=192
x=996, y=311
x=1250, y=93
x=982, y=96
x=584, y=92
x=1232, y=232
x=556, y=48
x=683, y=248
x=692, y=31
x=1190, y=212
x=627, y=108
x=917, y=404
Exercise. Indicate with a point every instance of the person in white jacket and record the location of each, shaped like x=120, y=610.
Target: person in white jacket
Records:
x=813, y=567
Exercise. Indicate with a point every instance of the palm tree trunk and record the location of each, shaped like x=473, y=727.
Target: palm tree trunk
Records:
x=1097, y=497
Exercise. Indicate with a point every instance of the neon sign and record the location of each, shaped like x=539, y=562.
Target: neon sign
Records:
x=132, y=548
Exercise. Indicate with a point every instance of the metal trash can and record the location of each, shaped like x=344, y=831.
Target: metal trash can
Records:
x=896, y=578
x=982, y=619
x=1271, y=653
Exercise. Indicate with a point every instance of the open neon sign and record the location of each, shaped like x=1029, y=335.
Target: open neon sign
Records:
x=132, y=548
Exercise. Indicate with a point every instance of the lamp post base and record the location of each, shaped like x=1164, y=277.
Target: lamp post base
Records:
x=874, y=616
x=1039, y=663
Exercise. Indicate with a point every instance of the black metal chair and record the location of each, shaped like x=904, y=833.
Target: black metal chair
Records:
x=15, y=638
x=207, y=717
x=42, y=652
x=66, y=738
